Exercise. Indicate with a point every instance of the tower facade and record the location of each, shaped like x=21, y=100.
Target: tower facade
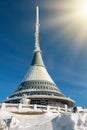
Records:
x=37, y=85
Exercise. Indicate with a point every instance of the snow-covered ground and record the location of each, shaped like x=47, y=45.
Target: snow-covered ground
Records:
x=47, y=121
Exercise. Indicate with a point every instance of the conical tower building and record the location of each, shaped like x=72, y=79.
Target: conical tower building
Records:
x=37, y=85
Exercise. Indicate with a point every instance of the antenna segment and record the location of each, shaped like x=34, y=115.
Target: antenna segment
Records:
x=37, y=44
x=37, y=15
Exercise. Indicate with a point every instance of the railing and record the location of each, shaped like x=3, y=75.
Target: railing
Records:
x=36, y=108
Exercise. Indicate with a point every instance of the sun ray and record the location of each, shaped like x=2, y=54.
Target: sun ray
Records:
x=71, y=16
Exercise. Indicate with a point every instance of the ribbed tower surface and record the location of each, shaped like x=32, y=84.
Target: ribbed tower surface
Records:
x=37, y=84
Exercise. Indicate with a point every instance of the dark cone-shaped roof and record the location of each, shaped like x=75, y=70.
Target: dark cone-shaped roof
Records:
x=37, y=59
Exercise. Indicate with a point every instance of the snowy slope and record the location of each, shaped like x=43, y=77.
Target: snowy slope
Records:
x=47, y=121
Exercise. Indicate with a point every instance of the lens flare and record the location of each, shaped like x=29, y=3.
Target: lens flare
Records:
x=71, y=16
x=84, y=10
x=81, y=9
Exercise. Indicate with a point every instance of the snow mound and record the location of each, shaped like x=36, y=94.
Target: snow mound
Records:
x=46, y=121
x=7, y=121
x=72, y=121
x=3, y=125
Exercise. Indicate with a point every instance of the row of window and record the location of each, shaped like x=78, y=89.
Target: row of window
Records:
x=47, y=102
x=36, y=83
x=38, y=87
x=35, y=93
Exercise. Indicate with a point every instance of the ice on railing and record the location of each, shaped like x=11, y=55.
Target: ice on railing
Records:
x=34, y=107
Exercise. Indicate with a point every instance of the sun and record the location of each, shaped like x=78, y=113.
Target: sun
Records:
x=81, y=9
x=71, y=17
x=84, y=9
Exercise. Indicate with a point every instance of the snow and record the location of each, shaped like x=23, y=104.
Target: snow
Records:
x=72, y=121
x=46, y=121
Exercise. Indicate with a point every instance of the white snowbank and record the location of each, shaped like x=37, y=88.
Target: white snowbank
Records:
x=72, y=121
x=47, y=121
x=3, y=125
x=7, y=120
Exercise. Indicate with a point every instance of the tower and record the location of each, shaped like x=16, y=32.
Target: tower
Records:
x=37, y=85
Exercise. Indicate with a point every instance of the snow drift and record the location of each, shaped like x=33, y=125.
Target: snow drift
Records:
x=47, y=121
x=7, y=121
x=72, y=121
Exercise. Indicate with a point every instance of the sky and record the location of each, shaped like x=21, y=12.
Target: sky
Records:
x=63, y=43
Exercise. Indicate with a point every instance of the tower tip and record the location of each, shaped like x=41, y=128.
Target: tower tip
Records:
x=37, y=6
x=37, y=15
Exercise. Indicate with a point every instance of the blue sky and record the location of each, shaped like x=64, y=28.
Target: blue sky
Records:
x=64, y=55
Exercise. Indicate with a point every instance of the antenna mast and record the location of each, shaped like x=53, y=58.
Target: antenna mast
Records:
x=37, y=44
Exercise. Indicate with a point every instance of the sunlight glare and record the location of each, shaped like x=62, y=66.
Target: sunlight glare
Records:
x=82, y=9
x=71, y=18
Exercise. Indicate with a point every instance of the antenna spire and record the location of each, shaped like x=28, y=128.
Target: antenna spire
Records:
x=37, y=44
x=37, y=15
